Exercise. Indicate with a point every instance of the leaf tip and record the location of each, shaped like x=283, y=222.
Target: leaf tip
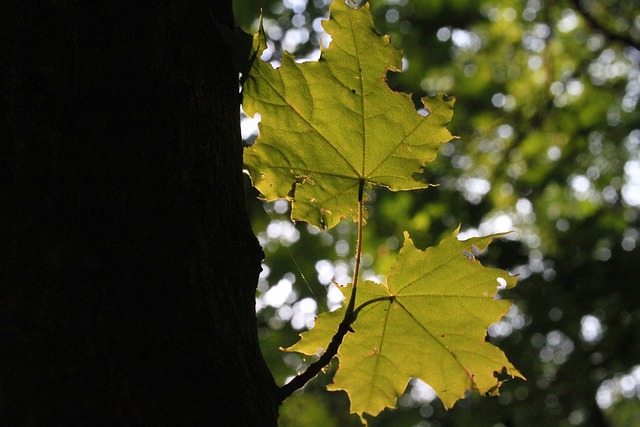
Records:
x=408, y=243
x=260, y=38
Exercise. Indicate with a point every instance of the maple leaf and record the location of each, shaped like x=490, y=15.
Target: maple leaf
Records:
x=332, y=126
x=429, y=321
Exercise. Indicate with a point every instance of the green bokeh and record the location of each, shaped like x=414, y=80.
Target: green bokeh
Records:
x=546, y=111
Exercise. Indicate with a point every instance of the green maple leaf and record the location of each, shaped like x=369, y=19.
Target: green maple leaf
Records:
x=330, y=127
x=429, y=321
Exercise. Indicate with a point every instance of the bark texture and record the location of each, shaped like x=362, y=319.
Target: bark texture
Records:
x=128, y=266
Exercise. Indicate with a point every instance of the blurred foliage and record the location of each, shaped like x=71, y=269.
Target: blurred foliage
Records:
x=547, y=115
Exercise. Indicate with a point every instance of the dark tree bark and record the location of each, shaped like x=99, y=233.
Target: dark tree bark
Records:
x=128, y=266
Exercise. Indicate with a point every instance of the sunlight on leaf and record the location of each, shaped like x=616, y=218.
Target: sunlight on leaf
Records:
x=429, y=321
x=329, y=125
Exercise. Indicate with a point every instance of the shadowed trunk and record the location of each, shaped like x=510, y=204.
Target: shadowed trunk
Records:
x=128, y=267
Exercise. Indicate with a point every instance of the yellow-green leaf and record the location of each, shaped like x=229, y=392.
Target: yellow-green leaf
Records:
x=429, y=321
x=329, y=126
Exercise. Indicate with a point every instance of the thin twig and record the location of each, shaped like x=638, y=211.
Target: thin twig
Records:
x=345, y=326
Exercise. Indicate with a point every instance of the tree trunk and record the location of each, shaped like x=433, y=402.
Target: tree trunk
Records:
x=128, y=266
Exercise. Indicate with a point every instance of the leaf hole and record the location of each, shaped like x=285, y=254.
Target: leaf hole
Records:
x=469, y=255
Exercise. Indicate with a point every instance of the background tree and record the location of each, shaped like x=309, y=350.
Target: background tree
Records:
x=549, y=146
x=128, y=266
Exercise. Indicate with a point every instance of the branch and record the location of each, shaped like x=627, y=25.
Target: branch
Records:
x=345, y=326
x=314, y=369
x=610, y=34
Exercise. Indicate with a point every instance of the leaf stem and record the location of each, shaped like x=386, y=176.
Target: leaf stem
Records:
x=345, y=325
x=369, y=302
x=349, y=314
